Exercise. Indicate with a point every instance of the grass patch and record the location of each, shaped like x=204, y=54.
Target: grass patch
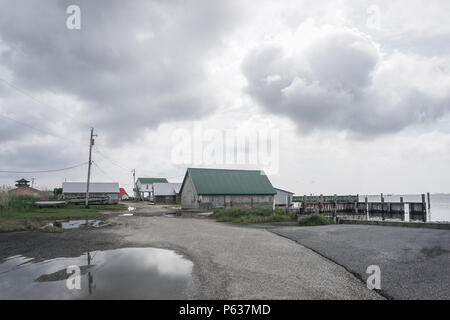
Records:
x=256, y=215
x=21, y=215
x=314, y=220
x=10, y=225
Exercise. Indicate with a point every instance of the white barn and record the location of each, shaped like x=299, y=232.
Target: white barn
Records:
x=76, y=191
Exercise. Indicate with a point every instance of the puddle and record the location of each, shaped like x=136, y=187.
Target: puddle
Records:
x=170, y=215
x=74, y=224
x=131, y=208
x=204, y=214
x=129, y=273
x=126, y=215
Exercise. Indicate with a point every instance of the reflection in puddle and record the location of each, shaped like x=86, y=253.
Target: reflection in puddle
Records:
x=74, y=224
x=130, y=273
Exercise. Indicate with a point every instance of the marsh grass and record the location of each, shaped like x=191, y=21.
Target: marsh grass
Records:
x=314, y=220
x=19, y=214
x=256, y=215
x=10, y=204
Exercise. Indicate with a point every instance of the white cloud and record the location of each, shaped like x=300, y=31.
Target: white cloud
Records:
x=141, y=71
x=336, y=78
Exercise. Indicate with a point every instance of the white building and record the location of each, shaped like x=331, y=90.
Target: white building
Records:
x=144, y=187
x=167, y=193
x=104, y=192
x=283, y=197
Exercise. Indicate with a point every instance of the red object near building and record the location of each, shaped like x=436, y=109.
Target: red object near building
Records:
x=123, y=195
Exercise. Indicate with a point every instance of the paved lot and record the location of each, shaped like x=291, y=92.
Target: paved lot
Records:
x=415, y=263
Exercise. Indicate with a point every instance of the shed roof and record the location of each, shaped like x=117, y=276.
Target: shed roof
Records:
x=230, y=182
x=94, y=187
x=166, y=189
x=122, y=192
x=282, y=190
x=151, y=180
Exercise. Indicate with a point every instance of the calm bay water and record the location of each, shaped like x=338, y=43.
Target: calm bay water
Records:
x=440, y=203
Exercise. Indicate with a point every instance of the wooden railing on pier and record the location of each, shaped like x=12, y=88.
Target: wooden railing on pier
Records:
x=351, y=207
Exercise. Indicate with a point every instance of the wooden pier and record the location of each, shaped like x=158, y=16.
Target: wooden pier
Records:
x=349, y=207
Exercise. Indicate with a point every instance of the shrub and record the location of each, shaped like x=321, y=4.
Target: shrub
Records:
x=255, y=215
x=314, y=220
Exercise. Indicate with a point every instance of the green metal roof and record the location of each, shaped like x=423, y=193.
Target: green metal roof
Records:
x=230, y=182
x=151, y=180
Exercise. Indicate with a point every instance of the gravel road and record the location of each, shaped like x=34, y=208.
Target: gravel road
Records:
x=230, y=262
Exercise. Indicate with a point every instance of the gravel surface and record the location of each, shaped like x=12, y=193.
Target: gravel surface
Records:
x=230, y=262
x=241, y=263
x=414, y=263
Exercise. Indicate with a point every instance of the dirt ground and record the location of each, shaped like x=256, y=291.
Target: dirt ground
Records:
x=230, y=262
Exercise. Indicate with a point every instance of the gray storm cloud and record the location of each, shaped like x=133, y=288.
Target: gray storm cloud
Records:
x=138, y=70
x=133, y=64
x=339, y=80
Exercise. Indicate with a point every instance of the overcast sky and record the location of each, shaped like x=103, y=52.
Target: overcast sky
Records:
x=328, y=96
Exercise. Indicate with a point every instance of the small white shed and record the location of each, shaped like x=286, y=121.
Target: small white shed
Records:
x=283, y=197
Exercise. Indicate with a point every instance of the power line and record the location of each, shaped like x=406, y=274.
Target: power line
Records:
x=63, y=138
x=60, y=137
x=105, y=157
x=44, y=171
x=40, y=130
x=27, y=125
x=34, y=99
x=102, y=171
x=161, y=175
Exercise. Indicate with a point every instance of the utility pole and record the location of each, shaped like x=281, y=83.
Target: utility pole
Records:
x=134, y=183
x=91, y=144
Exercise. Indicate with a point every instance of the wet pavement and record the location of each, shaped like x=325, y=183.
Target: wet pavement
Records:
x=126, y=273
